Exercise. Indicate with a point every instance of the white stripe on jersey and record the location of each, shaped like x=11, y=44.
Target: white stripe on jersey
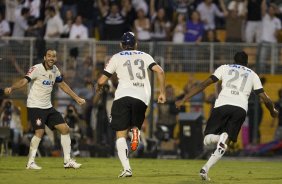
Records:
x=42, y=82
x=237, y=84
x=132, y=72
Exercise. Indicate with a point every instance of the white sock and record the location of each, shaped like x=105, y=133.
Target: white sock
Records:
x=211, y=139
x=215, y=157
x=66, y=144
x=122, y=150
x=34, y=143
x=218, y=153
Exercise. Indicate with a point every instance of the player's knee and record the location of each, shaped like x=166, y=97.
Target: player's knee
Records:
x=64, y=129
x=120, y=134
x=207, y=140
x=39, y=133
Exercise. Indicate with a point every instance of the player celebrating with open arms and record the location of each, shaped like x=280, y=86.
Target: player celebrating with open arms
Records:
x=231, y=106
x=43, y=76
x=132, y=95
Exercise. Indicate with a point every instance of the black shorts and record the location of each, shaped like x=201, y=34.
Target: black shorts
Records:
x=127, y=112
x=227, y=118
x=41, y=117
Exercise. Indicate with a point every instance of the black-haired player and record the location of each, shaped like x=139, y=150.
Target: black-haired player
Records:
x=231, y=106
x=132, y=95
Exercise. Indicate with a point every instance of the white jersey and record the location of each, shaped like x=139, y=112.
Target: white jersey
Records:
x=131, y=68
x=237, y=83
x=42, y=82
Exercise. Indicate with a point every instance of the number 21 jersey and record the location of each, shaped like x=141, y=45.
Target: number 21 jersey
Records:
x=237, y=83
x=131, y=68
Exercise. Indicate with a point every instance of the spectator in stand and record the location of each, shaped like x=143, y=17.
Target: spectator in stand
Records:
x=142, y=26
x=179, y=29
x=4, y=26
x=10, y=16
x=54, y=25
x=34, y=6
x=159, y=24
x=140, y=4
x=114, y=21
x=194, y=28
x=78, y=30
x=235, y=21
x=89, y=12
x=210, y=36
x=131, y=14
x=21, y=25
x=68, y=21
x=271, y=26
x=254, y=18
x=238, y=6
x=208, y=10
x=69, y=5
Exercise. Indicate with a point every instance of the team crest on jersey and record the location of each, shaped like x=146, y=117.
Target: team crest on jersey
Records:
x=110, y=119
x=38, y=122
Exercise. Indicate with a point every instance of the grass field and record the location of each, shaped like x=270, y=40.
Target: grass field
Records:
x=145, y=171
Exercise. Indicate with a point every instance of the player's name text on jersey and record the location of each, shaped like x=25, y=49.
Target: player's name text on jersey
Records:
x=138, y=84
x=130, y=52
x=239, y=66
x=235, y=92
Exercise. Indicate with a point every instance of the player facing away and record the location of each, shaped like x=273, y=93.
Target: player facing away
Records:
x=132, y=95
x=230, y=108
x=43, y=76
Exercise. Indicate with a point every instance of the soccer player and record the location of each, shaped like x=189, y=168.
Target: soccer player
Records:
x=43, y=76
x=132, y=95
x=230, y=108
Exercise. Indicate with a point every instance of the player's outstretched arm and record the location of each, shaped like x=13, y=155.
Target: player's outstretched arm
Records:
x=161, y=79
x=269, y=104
x=19, y=84
x=195, y=90
x=70, y=92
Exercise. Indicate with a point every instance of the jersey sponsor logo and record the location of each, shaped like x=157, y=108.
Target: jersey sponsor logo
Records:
x=38, y=122
x=47, y=83
x=234, y=92
x=130, y=53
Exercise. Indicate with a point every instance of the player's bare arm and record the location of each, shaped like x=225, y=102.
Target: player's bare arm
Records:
x=100, y=83
x=195, y=90
x=269, y=104
x=19, y=84
x=70, y=92
x=161, y=79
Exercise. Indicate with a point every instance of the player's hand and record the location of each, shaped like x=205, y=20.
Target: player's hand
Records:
x=274, y=113
x=179, y=103
x=162, y=98
x=8, y=91
x=80, y=101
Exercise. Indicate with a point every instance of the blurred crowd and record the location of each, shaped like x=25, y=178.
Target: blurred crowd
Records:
x=160, y=20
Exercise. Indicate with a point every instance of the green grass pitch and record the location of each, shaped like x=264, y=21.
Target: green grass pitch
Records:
x=145, y=171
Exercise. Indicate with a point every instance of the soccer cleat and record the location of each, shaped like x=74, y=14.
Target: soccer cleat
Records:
x=125, y=173
x=134, y=139
x=72, y=164
x=33, y=165
x=204, y=175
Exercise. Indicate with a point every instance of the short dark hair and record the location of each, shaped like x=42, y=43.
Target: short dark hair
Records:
x=51, y=9
x=24, y=11
x=241, y=58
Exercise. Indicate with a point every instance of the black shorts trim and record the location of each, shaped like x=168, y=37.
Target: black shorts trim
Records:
x=41, y=117
x=227, y=118
x=127, y=112
x=109, y=75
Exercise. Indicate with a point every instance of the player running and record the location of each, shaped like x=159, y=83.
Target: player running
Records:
x=132, y=95
x=43, y=76
x=230, y=108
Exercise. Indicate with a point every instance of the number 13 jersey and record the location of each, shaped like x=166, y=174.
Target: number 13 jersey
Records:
x=237, y=83
x=131, y=68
